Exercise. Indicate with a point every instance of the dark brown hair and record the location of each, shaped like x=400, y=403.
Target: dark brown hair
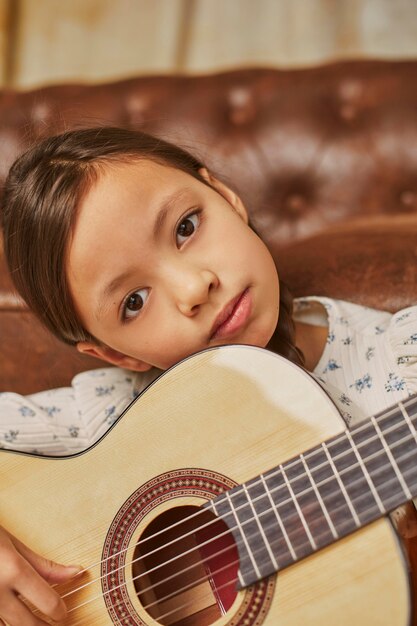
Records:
x=41, y=195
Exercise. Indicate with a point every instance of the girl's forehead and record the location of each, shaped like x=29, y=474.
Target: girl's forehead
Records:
x=139, y=187
x=140, y=171
x=142, y=181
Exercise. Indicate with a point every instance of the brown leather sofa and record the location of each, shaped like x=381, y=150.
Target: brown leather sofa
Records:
x=325, y=159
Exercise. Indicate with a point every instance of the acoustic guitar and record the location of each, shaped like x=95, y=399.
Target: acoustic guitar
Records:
x=229, y=492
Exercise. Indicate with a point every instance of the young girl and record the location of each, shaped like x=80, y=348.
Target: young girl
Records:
x=126, y=247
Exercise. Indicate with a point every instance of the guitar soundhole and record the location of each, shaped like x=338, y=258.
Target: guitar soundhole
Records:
x=185, y=568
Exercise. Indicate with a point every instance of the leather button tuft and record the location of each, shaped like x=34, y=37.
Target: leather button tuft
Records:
x=41, y=112
x=350, y=93
x=350, y=90
x=242, y=106
x=348, y=111
x=296, y=203
x=408, y=199
x=137, y=107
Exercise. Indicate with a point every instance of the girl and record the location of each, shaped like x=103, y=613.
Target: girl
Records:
x=126, y=247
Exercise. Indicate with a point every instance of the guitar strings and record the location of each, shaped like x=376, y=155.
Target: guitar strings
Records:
x=308, y=455
x=229, y=530
x=304, y=492
x=190, y=602
x=190, y=586
x=286, y=519
x=219, y=587
x=186, y=569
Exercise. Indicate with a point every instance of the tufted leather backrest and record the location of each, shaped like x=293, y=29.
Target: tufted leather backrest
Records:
x=331, y=148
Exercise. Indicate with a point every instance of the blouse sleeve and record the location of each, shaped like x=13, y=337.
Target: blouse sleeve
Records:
x=68, y=420
x=402, y=336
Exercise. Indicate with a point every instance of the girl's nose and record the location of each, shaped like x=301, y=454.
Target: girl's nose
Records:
x=192, y=289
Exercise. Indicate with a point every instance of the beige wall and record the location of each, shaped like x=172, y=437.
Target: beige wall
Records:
x=46, y=41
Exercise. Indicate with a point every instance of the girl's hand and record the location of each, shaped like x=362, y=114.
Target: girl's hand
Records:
x=25, y=573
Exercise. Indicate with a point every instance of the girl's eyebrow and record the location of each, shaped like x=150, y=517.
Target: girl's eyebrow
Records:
x=166, y=205
x=109, y=290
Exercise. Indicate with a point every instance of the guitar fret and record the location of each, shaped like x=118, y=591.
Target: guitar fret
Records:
x=284, y=502
x=267, y=516
x=341, y=485
x=366, y=473
x=399, y=435
x=354, y=480
x=411, y=405
x=278, y=518
x=392, y=460
x=243, y=535
x=328, y=487
x=319, y=498
x=408, y=420
x=222, y=507
x=299, y=511
x=265, y=540
x=318, y=530
x=377, y=464
x=249, y=523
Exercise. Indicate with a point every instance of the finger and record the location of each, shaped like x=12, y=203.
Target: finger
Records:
x=37, y=591
x=15, y=613
x=51, y=571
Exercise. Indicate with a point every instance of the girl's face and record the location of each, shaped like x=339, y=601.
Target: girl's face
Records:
x=161, y=266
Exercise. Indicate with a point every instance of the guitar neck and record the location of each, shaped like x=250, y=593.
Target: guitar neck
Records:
x=324, y=494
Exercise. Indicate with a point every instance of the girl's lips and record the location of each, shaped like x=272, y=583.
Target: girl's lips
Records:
x=233, y=317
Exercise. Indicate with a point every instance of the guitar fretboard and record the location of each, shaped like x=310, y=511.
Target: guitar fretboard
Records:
x=324, y=494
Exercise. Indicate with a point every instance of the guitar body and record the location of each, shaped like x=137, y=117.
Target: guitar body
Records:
x=216, y=419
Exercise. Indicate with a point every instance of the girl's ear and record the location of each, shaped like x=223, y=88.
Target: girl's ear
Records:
x=112, y=356
x=227, y=193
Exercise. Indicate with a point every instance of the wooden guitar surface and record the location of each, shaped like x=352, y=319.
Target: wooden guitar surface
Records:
x=218, y=418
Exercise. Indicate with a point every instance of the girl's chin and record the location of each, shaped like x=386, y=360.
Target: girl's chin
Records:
x=260, y=339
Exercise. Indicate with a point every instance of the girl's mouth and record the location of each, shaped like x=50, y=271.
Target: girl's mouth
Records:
x=233, y=317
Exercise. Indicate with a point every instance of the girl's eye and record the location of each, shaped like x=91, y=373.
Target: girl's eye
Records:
x=187, y=227
x=134, y=303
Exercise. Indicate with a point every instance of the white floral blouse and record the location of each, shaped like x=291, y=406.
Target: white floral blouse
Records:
x=369, y=363
x=370, y=359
